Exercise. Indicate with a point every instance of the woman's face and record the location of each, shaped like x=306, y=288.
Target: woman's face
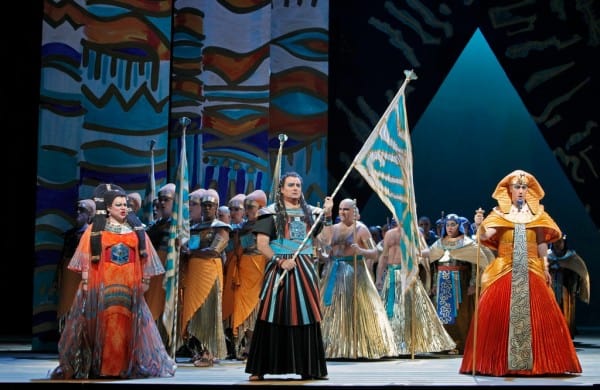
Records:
x=118, y=208
x=452, y=229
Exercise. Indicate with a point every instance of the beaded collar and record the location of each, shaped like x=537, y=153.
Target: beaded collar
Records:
x=120, y=228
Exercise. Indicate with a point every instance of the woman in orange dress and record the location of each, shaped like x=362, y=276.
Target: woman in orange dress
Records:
x=519, y=329
x=109, y=331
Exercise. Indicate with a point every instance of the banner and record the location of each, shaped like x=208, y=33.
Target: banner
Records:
x=385, y=162
x=179, y=234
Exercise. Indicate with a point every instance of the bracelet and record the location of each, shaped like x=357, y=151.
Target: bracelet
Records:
x=328, y=221
x=84, y=281
x=146, y=280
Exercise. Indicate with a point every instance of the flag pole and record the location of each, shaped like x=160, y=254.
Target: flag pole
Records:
x=476, y=308
x=150, y=199
x=277, y=171
x=354, y=297
x=410, y=75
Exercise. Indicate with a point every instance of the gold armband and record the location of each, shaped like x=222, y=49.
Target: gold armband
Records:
x=218, y=244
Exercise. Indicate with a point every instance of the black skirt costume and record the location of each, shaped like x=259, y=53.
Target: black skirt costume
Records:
x=287, y=335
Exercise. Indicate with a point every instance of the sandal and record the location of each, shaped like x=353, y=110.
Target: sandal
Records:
x=255, y=378
x=204, y=360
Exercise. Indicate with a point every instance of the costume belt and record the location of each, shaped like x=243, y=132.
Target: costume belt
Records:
x=200, y=254
x=285, y=246
x=332, y=276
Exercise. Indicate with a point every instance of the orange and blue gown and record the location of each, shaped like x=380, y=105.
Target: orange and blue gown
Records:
x=110, y=331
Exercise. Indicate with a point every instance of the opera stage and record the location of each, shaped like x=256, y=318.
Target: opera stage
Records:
x=21, y=368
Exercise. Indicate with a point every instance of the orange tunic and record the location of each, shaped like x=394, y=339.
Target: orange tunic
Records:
x=201, y=277
x=251, y=268
x=231, y=280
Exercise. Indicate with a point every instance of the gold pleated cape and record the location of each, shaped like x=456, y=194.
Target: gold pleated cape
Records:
x=415, y=323
x=354, y=323
x=201, y=314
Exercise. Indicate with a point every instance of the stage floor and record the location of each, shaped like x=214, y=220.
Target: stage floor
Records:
x=20, y=368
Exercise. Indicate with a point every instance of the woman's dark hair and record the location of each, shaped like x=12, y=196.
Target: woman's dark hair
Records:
x=104, y=195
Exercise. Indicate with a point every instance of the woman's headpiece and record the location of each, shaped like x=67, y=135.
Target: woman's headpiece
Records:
x=460, y=221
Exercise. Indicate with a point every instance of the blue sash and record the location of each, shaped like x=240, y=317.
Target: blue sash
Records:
x=391, y=296
x=332, y=276
x=284, y=246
